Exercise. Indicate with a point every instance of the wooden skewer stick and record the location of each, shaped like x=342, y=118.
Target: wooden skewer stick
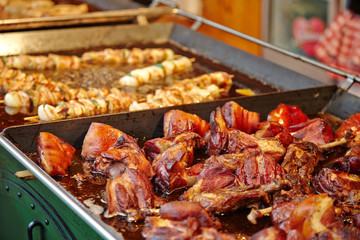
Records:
x=334, y=144
x=255, y=214
x=2, y=101
x=32, y=119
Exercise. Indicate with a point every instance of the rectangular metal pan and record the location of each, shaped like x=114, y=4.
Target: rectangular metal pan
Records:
x=257, y=70
x=100, y=12
x=16, y=142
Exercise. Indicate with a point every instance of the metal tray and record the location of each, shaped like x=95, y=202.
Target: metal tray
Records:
x=250, y=71
x=100, y=12
x=16, y=142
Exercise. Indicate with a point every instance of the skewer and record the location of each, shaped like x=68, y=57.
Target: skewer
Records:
x=334, y=144
x=2, y=101
x=255, y=214
x=31, y=119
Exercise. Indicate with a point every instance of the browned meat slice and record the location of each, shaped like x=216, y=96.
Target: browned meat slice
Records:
x=177, y=121
x=237, y=117
x=273, y=130
x=340, y=185
x=301, y=158
x=350, y=163
x=155, y=146
x=219, y=133
x=54, y=154
x=231, y=198
x=99, y=138
x=259, y=169
x=225, y=140
x=113, y=161
x=270, y=233
x=170, y=167
x=351, y=126
x=183, y=220
x=287, y=115
x=130, y=194
x=317, y=131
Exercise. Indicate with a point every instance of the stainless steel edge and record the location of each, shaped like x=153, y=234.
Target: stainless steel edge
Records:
x=100, y=227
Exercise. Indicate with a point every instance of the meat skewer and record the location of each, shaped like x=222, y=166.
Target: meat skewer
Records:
x=156, y=72
x=111, y=103
x=119, y=56
x=206, y=87
x=85, y=107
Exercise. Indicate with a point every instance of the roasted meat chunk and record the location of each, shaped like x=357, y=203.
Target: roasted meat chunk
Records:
x=301, y=159
x=130, y=194
x=113, y=161
x=183, y=220
x=273, y=130
x=219, y=133
x=349, y=163
x=170, y=167
x=259, y=169
x=340, y=185
x=177, y=121
x=99, y=138
x=155, y=146
x=270, y=233
x=316, y=130
x=229, y=199
x=351, y=126
x=237, y=117
x=287, y=115
x=54, y=154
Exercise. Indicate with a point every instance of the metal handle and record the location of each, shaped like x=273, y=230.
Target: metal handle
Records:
x=31, y=227
x=350, y=78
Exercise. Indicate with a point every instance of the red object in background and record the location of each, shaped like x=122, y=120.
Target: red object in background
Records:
x=287, y=115
x=307, y=33
x=339, y=46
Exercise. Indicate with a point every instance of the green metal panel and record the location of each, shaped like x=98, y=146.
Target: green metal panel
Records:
x=21, y=204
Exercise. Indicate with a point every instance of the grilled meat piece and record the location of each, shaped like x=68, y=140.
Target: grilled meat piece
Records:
x=99, y=138
x=270, y=233
x=237, y=117
x=225, y=140
x=287, y=115
x=131, y=194
x=183, y=220
x=273, y=130
x=177, y=121
x=155, y=146
x=350, y=127
x=350, y=163
x=301, y=159
x=340, y=185
x=113, y=161
x=219, y=133
x=170, y=167
x=54, y=154
x=316, y=130
x=259, y=169
x=303, y=219
x=125, y=152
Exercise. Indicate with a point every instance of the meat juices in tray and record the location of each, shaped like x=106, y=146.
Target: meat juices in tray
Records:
x=185, y=185
x=59, y=86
